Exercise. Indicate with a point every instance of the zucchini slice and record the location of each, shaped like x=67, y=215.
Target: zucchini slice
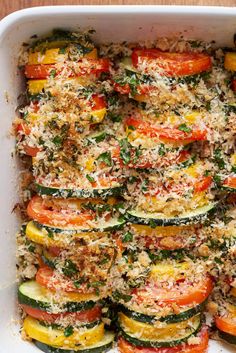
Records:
x=173, y=318
x=48, y=236
x=80, y=193
x=173, y=339
x=227, y=188
x=101, y=347
x=32, y=294
x=48, y=259
x=157, y=219
x=227, y=337
x=53, y=336
x=112, y=224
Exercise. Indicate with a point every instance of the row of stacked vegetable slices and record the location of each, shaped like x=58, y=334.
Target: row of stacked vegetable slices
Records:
x=96, y=183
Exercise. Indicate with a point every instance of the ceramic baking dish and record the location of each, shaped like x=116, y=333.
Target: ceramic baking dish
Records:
x=112, y=23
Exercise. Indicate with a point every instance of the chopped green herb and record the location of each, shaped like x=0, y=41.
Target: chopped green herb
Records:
x=68, y=331
x=184, y=127
x=162, y=149
x=50, y=234
x=115, y=118
x=144, y=185
x=125, y=154
x=69, y=269
x=106, y=158
x=127, y=237
x=62, y=51
x=58, y=140
x=53, y=73
x=90, y=178
x=218, y=159
x=152, y=223
x=120, y=296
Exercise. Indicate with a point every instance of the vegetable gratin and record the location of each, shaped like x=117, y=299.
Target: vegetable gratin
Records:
x=128, y=179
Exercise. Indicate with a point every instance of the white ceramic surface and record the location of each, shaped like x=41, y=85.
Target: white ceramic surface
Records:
x=112, y=23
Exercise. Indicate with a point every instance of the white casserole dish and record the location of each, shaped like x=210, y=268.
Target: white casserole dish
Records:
x=112, y=23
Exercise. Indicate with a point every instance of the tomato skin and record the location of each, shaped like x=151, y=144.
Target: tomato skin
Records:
x=23, y=128
x=173, y=64
x=45, y=277
x=203, y=184
x=196, y=293
x=226, y=324
x=143, y=89
x=82, y=316
x=39, y=71
x=98, y=102
x=42, y=71
x=230, y=182
x=125, y=89
x=126, y=347
x=39, y=211
x=169, y=134
x=31, y=151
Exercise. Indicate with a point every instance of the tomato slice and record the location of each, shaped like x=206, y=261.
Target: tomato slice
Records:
x=203, y=184
x=82, y=316
x=233, y=85
x=173, y=64
x=53, y=281
x=38, y=71
x=125, y=89
x=88, y=67
x=97, y=102
x=31, y=151
x=181, y=294
x=226, y=324
x=201, y=347
x=22, y=128
x=230, y=182
x=47, y=213
x=165, y=133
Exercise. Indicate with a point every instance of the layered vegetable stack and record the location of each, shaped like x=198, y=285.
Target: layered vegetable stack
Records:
x=128, y=157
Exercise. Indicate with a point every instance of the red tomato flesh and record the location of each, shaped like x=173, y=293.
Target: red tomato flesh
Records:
x=97, y=102
x=51, y=280
x=169, y=134
x=203, y=184
x=82, y=316
x=180, y=294
x=90, y=67
x=230, y=182
x=40, y=211
x=173, y=64
x=226, y=324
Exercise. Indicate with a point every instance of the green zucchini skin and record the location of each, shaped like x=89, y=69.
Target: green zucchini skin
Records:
x=69, y=306
x=79, y=193
x=49, y=349
x=148, y=319
x=156, y=344
x=154, y=222
x=50, y=263
x=108, y=228
x=227, y=337
x=227, y=188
